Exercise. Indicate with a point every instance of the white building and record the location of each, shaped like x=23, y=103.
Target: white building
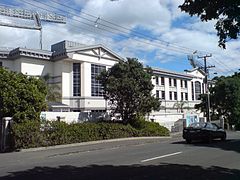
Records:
x=74, y=67
x=71, y=65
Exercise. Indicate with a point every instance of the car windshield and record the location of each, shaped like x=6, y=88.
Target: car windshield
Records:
x=198, y=125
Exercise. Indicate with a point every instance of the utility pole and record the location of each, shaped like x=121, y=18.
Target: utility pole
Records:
x=206, y=85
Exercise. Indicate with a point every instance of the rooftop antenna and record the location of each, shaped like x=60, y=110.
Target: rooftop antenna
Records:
x=30, y=15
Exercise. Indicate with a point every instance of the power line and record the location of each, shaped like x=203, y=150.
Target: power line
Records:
x=104, y=29
x=166, y=45
x=124, y=28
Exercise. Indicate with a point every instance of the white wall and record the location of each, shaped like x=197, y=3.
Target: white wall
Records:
x=93, y=60
x=68, y=117
x=33, y=67
x=86, y=79
x=167, y=120
x=66, y=78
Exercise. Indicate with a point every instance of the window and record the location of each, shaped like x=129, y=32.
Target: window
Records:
x=1, y=64
x=197, y=90
x=162, y=81
x=170, y=95
x=174, y=82
x=157, y=80
x=76, y=79
x=163, y=94
x=181, y=83
x=186, y=96
x=192, y=92
x=170, y=82
x=175, y=95
x=182, y=96
x=157, y=93
x=97, y=89
x=185, y=84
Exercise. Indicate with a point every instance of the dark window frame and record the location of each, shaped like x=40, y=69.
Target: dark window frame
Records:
x=96, y=86
x=175, y=95
x=175, y=82
x=157, y=80
x=162, y=81
x=157, y=93
x=76, y=79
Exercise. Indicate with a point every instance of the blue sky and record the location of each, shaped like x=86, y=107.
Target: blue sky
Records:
x=155, y=31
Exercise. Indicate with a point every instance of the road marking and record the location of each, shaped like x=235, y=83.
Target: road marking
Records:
x=159, y=157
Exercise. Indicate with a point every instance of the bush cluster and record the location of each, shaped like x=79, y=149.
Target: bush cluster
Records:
x=30, y=134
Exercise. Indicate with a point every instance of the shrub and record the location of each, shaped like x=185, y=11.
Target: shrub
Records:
x=147, y=128
x=30, y=134
x=153, y=129
x=27, y=134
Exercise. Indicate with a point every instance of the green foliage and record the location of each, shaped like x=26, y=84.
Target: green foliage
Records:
x=29, y=134
x=147, y=128
x=22, y=97
x=224, y=99
x=53, y=90
x=225, y=12
x=179, y=105
x=128, y=86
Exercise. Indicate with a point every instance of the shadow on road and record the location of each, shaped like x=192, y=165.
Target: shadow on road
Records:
x=228, y=145
x=133, y=172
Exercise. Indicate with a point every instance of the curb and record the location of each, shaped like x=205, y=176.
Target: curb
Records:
x=91, y=143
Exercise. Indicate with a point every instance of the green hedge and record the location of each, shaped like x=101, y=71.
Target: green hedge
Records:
x=30, y=134
x=146, y=128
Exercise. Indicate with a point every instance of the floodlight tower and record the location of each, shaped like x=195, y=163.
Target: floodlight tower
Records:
x=30, y=15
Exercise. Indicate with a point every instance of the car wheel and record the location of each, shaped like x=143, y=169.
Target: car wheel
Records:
x=223, y=138
x=188, y=141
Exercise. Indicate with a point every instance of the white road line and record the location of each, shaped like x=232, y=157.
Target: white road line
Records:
x=159, y=157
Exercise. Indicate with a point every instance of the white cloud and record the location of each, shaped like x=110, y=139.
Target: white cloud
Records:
x=162, y=18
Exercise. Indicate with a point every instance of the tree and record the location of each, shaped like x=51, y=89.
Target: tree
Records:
x=128, y=86
x=225, y=99
x=22, y=97
x=53, y=90
x=179, y=106
x=226, y=12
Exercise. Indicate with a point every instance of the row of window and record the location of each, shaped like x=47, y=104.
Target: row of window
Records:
x=172, y=95
x=97, y=89
x=172, y=82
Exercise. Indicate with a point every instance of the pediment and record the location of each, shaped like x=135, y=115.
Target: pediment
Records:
x=98, y=51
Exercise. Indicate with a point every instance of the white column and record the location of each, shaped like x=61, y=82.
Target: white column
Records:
x=86, y=79
x=178, y=89
x=189, y=89
x=166, y=85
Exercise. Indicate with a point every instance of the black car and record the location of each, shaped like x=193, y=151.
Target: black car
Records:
x=204, y=132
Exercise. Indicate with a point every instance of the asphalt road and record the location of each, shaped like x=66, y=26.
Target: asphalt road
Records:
x=162, y=158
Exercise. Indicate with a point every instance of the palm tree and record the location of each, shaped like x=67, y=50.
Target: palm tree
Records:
x=179, y=106
x=54, y=94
